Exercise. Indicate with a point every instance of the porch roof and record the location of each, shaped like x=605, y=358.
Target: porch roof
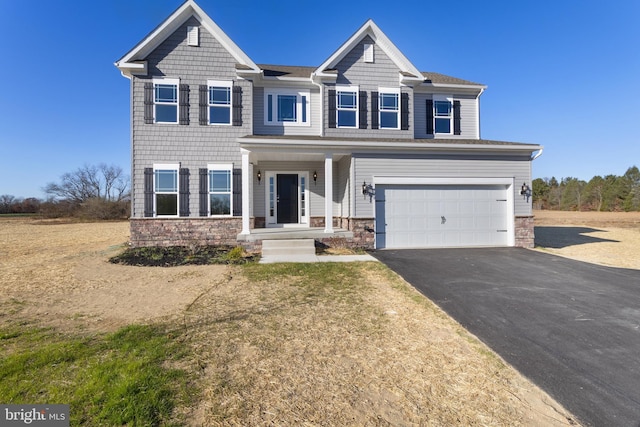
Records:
x=314, y=145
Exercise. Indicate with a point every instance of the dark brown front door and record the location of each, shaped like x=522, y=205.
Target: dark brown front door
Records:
x=287, y=198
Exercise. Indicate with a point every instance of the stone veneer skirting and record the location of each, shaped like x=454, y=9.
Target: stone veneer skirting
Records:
x=524, y=230
x=224, y=231
x=184, y=231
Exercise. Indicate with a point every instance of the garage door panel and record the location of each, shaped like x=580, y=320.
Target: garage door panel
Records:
x=441, y=216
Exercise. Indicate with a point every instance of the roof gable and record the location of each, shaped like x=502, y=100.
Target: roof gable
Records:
x=370, y=29
x=134, y=61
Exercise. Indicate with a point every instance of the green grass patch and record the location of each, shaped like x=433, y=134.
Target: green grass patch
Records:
x=115, y=379
x=173, y=256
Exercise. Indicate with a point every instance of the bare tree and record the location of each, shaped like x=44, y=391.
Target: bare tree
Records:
x=91, y=182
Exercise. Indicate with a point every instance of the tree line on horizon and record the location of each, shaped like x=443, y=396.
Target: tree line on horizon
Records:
x=609, y=193
x=90, y=192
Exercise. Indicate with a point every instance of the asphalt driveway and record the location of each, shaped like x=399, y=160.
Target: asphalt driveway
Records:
x=572, y=328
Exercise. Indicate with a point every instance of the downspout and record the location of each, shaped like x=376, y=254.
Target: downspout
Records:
x=478, y=109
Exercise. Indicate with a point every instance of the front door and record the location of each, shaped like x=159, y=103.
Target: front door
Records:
x=287, y=198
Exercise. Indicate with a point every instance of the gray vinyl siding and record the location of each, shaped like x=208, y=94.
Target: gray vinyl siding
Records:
x=260, y=128
x=441, y=166
x=193, y=145
x=352, y=70
x=468, y=116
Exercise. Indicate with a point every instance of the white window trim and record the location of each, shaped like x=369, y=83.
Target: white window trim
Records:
x=220, y=167
x=167, y=81
x=393, y=91
x=220, y=83
x=167, y=166
x=354, y=89
x=448, y=98
x=300, y=109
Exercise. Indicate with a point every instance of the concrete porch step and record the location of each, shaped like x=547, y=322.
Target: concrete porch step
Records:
x=293, y=247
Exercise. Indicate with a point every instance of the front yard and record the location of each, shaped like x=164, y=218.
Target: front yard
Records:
x=283, y=344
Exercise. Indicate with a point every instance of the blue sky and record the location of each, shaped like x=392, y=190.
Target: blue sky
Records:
x=561, y=73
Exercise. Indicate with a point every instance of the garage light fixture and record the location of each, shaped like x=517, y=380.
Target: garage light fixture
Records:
x=259, y=176
x=367, y=189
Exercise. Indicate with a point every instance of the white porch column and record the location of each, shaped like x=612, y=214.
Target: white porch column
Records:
x=328, y=193
x=246, y=196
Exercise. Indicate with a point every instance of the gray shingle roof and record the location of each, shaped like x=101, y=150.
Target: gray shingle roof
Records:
x=271, y=70
x=431, y=77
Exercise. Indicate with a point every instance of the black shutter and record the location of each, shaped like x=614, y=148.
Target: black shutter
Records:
x=183, y=194
x=204, y=192
x=237, y=106
x=404, y=111
x=332, y=108
x=363, y=109
x=237, y=192
x=148, y=192
x=456, y=118
x=203, y=91
x=374, y=110
x=148, y=103
x=429, y=116
x=184, y=104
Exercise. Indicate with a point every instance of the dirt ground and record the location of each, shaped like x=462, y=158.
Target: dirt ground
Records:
x=56, y=274
x=606, y=238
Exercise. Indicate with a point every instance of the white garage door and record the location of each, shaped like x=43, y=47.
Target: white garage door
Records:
x=424, y=216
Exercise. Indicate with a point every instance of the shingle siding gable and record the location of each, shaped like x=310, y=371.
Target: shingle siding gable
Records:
x=383, y=72
x=193, y=145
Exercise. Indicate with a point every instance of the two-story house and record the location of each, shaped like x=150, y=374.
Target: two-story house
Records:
x=364, y=148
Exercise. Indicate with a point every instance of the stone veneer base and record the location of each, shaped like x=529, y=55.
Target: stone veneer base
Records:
x=224, y=231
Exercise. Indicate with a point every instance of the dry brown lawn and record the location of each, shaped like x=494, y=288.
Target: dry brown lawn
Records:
x=606, y=238
x=273, y=344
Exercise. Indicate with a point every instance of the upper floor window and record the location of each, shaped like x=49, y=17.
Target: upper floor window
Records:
x=287, y=107
x=165, y=100
x=219, y=102
x=165, y=185
x=347, y=106
x=442, y=113
x=220, y=189
x=389, y=108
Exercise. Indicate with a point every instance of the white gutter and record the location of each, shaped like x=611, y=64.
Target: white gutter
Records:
x=538, y=154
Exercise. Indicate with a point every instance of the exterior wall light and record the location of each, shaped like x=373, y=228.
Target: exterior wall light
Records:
x=315, y=176
x=525, y=191
x=259, y=176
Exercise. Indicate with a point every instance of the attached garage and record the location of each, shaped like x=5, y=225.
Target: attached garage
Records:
x=443, y=213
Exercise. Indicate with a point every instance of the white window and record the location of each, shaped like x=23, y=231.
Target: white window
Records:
x=220, y=189
x=286, y=107
x=165, y=189
x=347, y=106
x=389, y=108
x=442, y=114
x=219, y=102
x=165, y=100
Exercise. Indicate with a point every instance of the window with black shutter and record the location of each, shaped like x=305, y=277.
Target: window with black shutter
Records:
x=148, y=103
x=456, y=118
x=184, y=192
x=237, y=106
x=237, y=192
x=332, y=108
x=148, y=192
x=184, y=104
x=429, y=116
x=404, y=111
x=203, y=104
x=363, y=110
x=204, y=191
x=374, y=110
